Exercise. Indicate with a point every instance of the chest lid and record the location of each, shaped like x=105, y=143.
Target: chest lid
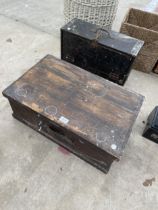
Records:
x=87, y=105
x=117, y=41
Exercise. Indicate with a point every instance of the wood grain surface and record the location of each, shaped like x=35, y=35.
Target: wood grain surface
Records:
x=91, y=107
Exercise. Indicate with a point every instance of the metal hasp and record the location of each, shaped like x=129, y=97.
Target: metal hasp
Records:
x=151, y=130
x=78, y=110
x=101, y=51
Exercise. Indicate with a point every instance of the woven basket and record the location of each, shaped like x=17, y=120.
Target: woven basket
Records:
x=101, y=12
x=143, y=25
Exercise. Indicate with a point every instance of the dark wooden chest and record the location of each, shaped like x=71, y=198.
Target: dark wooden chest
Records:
x=103, y=52
x=86, y=114
x=151, y=129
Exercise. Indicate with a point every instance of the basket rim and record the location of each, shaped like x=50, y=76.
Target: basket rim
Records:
x=114, y=4
x=140, y=28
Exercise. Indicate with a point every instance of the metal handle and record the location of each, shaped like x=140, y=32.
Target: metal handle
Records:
x=99, y=33
x=55, y=130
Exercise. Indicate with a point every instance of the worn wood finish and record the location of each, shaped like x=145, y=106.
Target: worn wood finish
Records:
x=86, y=114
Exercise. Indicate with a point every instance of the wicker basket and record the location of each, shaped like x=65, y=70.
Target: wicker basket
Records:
x=101, y=12
x=143, y=25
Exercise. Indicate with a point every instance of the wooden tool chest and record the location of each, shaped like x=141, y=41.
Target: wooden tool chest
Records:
x=151, y=129
x=106, y=53
x=86, y=114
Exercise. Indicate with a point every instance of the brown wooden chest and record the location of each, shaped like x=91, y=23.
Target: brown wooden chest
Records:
x=86, y=114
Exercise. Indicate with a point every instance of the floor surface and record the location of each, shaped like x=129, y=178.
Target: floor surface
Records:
x=35, y=173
